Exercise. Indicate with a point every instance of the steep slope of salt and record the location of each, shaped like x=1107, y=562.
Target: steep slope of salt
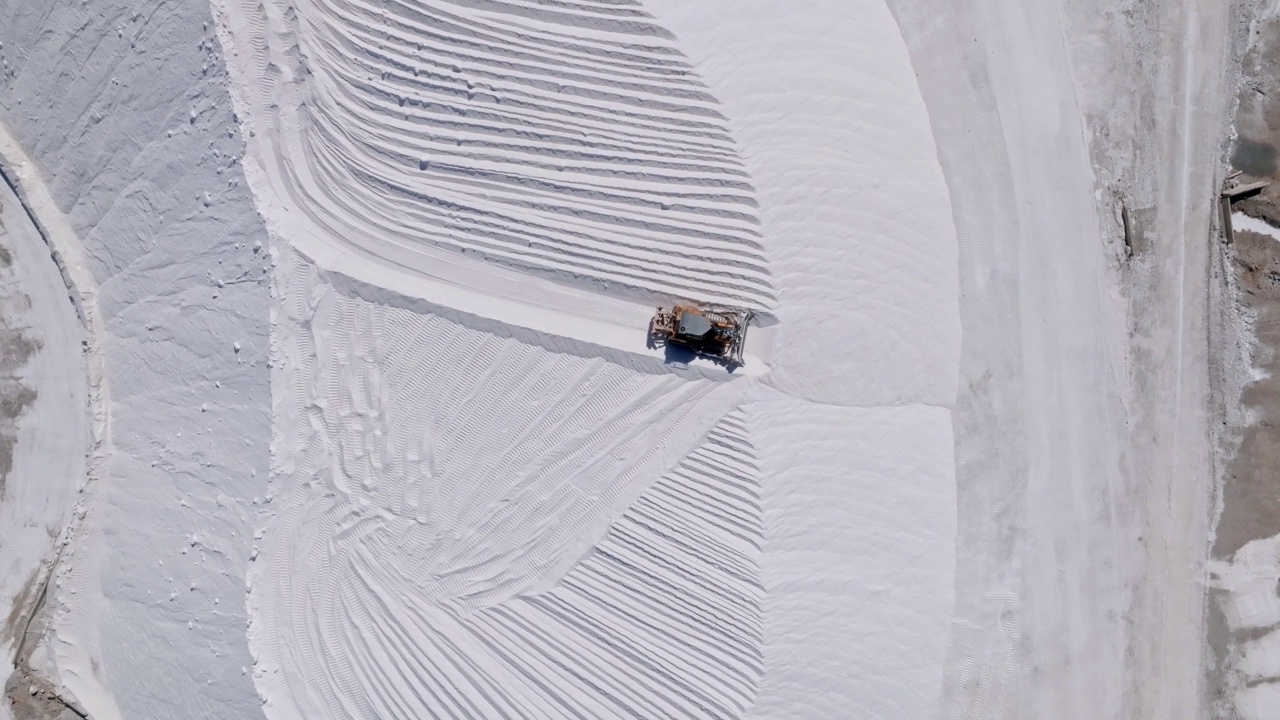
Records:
x=122, y=106
x=495, y=129
x=47, y=681
x=460, y=447
x=986, y=667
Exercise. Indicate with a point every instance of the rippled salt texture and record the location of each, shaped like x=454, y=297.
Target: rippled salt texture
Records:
x=472, y=519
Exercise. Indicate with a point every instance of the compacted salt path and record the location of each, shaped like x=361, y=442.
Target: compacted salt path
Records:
x=45, y=435
x=490, y=498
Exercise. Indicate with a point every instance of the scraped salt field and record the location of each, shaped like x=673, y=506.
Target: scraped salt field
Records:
x=501, y=509
x=364, y=418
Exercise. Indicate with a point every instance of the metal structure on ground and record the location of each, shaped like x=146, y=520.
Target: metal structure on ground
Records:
x=719, y=333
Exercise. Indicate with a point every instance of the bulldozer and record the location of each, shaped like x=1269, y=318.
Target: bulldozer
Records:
x=718, y=333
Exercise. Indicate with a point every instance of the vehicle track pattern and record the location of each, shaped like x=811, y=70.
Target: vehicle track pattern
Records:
x=427, y=560
x=572, y=141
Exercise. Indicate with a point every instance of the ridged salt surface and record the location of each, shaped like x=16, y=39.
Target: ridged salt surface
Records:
x=481, y=508
x=439, y=474
x=858, y=562
x=465, y=525
x=854, y=209
x=44, y=433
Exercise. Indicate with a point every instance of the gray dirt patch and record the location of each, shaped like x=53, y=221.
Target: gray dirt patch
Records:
x=1251, y=496
x=17, y=346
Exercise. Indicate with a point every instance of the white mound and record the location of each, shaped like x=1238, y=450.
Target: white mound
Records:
x=489, y=499
x=44, y=427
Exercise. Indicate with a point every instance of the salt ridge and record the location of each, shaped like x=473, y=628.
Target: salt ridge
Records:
x=503, y=198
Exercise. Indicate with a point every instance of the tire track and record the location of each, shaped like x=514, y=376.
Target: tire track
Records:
x=450, y=537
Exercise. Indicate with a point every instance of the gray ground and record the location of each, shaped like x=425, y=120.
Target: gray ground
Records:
x=16, y=346
x=1250, y=410
x=28, y=696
